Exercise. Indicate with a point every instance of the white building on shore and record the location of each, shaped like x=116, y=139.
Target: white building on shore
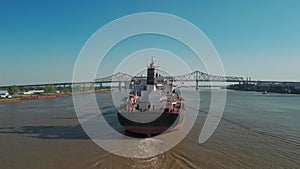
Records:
x=4, y=94
x=34, y=92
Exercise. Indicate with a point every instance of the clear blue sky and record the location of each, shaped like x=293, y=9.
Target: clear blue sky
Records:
x=40, y=40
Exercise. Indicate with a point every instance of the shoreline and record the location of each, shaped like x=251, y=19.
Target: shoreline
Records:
x=288, y=89
x=22, y=98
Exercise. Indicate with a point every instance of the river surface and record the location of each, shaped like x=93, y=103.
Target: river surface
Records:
x=255, y=131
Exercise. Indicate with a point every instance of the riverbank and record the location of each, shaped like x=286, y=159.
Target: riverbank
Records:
x=266, y=88
x=48, y=96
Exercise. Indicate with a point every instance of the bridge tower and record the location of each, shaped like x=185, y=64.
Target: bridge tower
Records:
x=126, y=85
x=197, y=79
x=120, y=86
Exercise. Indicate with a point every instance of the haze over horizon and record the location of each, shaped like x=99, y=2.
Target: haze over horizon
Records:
x=41, y=40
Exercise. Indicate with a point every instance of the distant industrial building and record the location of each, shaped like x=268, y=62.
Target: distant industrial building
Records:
x=275, y=87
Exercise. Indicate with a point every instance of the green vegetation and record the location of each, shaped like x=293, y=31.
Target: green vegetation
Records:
x=13, y=90
x=104, y=87
x=65, y=90
x=50, y=89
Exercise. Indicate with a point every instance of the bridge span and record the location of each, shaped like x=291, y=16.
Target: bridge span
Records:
x=123, y=80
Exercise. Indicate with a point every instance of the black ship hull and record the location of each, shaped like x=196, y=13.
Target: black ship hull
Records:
x=165, y=122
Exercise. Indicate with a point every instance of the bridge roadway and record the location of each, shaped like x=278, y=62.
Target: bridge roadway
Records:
x=124, y=78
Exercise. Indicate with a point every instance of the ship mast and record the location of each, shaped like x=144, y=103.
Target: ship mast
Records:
x=152, y=64
x=151, y=74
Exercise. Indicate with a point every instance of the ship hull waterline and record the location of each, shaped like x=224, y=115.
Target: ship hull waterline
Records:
x=165, y=122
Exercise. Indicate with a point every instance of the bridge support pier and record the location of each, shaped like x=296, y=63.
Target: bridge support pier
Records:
x=125, y=85
x=197, y=84
x=120, y=86
x=101, y=85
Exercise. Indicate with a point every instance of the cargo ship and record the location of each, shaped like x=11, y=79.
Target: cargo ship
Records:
x=153, y=106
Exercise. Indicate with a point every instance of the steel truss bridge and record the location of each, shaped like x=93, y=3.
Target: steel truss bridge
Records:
x=190, y=77
x=195, y=76
x=124, y=78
